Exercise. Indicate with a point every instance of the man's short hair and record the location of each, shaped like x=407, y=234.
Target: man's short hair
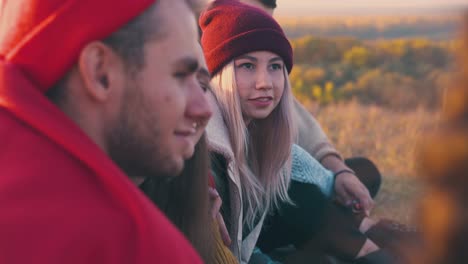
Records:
x=268, y=3
x=128, y=42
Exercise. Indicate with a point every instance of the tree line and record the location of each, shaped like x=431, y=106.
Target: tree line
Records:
x=397, y=73
x=374, y=27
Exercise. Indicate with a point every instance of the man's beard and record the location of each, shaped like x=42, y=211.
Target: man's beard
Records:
x=137, y=151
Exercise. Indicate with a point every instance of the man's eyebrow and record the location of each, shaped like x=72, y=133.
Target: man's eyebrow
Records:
x=188, y=63
x=204, y=72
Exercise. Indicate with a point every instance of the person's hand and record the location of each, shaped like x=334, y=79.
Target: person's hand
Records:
x=216, y=202
x=349, y=188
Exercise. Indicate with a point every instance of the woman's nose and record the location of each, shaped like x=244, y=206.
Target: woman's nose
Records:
x=264, y=80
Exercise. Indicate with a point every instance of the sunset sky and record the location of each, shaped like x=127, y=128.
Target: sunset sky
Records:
x=291, y=7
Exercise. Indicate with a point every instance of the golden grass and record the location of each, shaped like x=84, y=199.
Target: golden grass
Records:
x=388, y=138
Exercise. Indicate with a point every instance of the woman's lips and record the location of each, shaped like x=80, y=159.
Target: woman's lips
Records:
x=263, y=101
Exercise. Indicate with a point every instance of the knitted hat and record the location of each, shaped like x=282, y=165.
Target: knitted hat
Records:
x=44, y=37
x=231, y=29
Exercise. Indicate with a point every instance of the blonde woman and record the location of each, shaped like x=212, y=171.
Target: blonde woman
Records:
x=251, y=135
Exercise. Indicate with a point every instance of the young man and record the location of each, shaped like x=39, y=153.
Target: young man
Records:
x=313, y=139
x=90, y=92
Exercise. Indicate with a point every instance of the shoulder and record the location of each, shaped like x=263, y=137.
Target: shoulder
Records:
x=82, y=227
x=217, y=132
x=55, y=210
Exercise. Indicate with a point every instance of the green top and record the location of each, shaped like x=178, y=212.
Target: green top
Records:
x=219, y=172
x=221, y=178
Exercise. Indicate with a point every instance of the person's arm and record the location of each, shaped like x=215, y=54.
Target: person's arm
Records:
x=312, y=138
x=347, y=186
x=306, y=169
x=215, y=206
x=258, y=257
x=217, y=193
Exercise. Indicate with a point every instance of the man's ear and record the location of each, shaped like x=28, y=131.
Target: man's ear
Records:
x=99, y=67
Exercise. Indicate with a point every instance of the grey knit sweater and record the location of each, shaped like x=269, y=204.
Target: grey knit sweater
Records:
x=308, y=170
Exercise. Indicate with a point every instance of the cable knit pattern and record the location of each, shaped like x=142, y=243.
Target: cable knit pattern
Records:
x=306, y=169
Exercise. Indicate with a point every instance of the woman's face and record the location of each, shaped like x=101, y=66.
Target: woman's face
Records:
x=260, y=83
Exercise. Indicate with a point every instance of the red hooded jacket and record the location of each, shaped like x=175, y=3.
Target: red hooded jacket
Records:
x=62, y=200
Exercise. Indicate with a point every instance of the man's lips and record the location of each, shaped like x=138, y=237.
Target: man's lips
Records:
x=185, y=132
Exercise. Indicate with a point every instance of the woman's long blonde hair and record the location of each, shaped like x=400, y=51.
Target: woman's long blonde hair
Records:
x=262, y=149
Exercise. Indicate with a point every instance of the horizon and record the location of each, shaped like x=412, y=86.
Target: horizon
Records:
x=288, y=8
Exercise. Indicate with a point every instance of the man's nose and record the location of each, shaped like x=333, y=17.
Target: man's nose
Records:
x=198, y=107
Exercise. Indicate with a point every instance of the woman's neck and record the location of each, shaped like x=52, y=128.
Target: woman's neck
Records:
x=246, y=120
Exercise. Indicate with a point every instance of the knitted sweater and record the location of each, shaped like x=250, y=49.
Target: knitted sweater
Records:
x=308, y=170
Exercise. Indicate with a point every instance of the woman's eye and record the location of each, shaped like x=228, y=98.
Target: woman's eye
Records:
x=247, y=65
x=277, y=66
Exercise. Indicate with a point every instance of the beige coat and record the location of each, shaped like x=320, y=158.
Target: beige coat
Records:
x=218, y=142
x=311, y=136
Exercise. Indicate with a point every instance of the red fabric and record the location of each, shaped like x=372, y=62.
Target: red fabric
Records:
x=231, y=29
x=211, y=181
x=44, y=37
x=62, y=200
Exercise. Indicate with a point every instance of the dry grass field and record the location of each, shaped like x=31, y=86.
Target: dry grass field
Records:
x=390, y=139
x=396, y=62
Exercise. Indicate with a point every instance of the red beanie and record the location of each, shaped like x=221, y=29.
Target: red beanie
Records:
x=231, y=29
x=44, y=37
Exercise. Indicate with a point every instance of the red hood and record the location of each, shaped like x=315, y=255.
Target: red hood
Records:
x=62, y=199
